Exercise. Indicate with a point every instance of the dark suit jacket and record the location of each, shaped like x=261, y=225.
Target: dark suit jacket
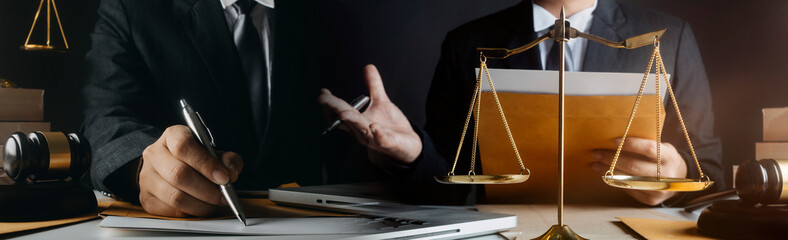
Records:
x=147, y=54
x=454, y=78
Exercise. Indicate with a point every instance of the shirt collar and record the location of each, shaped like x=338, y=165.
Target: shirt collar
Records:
x=266, y=3
x=544, y=20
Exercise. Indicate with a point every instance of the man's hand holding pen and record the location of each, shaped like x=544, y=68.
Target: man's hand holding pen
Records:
x=382, y=127
x=179, y=177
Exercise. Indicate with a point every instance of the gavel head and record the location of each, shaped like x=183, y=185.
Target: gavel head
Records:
x=46, y=156
x=762, y=181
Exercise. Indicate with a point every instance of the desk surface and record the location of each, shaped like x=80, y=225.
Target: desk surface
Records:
x=594, y=222
x=589, y=221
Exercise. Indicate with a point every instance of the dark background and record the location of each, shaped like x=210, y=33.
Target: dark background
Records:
x=741, y=43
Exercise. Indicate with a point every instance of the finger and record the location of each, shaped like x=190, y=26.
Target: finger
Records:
x=234, y=164
x=179, y=141
x=642, y=146
x=627, y=163
x=399, y=144
x=182, y=176
x=377, y=93
x=599, y=167
x=176, y=198
x=154, y=206
x=332, y=102
x=358, y=125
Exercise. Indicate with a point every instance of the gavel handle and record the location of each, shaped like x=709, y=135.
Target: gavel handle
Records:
x=704, y=201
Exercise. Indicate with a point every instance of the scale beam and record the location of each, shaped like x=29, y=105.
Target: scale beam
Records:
x=629, y=43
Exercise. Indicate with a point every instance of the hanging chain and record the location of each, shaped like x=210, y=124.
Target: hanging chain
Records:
x=482, y=59
x=681, y=119
x=475, y=109
x=631, y=115
x=660, y=70
x=476, y=122
x=505, y=123
x=658, y=141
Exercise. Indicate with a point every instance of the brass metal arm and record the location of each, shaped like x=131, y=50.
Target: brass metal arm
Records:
x=629, y=43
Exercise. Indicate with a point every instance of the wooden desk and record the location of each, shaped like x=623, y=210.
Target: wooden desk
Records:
x=589, y=221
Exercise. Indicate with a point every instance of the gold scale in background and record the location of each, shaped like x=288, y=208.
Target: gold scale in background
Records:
x=50, y=7
x=561, y=34
x=48, y=47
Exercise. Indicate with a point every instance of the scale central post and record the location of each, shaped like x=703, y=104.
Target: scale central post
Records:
x=561, y=36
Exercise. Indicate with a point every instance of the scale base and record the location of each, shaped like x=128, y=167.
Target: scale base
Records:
x=44, y=201
x=559, y=232
x=731, y=219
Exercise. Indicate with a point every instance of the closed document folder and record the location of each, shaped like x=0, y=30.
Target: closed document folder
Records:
x=598, y=106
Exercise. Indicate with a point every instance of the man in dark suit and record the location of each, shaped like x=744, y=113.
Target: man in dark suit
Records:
x=218, y=55
x=454, y=82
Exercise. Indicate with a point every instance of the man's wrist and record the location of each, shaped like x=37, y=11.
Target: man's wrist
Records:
x=124, y=182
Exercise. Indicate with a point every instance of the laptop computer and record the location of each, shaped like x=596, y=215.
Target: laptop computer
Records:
x=387, y=219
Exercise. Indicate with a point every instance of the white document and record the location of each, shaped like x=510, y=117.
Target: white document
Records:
x=576, y=83
x=256, y=226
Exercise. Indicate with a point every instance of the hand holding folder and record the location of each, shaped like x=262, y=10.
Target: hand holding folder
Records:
x=598, y=106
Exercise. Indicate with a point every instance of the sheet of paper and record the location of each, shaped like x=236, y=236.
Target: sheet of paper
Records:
x=654, y=229
x=596, y=113
x=257, y=226
x=253, y=207
x=576, y=83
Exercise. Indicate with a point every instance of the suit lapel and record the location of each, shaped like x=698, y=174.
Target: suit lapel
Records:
x=205, y=24
x=607, y=18
x=523, y=30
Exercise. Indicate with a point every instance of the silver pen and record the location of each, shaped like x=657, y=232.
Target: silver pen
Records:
x=204, y=137
x=357, y=104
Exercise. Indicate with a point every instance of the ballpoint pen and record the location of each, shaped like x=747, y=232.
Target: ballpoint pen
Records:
x=357, y=104
x=203, y=135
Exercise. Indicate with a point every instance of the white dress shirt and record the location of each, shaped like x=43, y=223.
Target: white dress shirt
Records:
x=575, y=49
x=260, y=20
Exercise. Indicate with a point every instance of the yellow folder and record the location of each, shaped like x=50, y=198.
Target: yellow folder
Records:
x=591, y=122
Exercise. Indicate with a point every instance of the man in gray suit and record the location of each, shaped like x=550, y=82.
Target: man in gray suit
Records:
x=454, y=82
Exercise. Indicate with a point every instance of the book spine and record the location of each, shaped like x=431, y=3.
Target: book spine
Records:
x=21, y=105
x=775, y=124
x=771, y=150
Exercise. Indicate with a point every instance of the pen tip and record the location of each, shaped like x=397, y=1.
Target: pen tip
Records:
x=324, y=132
x=244, y=221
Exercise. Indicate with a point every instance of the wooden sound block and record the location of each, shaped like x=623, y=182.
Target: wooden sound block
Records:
x=730, y=219
x=44, y=201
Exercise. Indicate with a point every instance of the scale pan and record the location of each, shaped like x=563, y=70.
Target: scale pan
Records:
x=483, y=179
x=659, y=184
x=44, y=48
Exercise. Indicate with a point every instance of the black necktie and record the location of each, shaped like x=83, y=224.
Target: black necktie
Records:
x=553, y=57
x=250, y=49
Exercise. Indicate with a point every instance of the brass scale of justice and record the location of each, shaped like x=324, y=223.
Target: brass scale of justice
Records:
x=48, y=47
x=561, y=33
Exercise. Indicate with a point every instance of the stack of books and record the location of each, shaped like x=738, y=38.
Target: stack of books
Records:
x=775, y=135
x=21, y=110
